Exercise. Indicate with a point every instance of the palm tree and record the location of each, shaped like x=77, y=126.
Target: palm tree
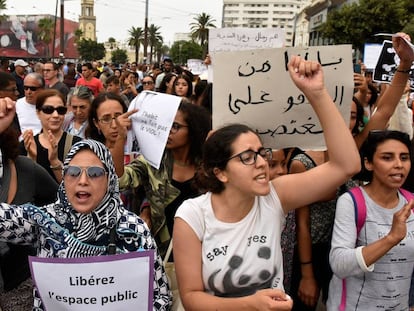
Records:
x=3, y=6
x=46, y=26
x=199, y=29
x=154, y=37
x=136, y=39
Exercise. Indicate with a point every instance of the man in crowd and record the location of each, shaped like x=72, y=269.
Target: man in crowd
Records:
x=26, y=106
x=89, y=80
x=50, y=74
x=19, y=73
x=167, y=67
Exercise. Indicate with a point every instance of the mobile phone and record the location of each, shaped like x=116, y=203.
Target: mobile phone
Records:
x=357, y=68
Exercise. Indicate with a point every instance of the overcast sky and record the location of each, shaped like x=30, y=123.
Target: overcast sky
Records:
x=115, y=17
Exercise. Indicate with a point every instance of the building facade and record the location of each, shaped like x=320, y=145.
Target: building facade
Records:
x=263, y=14
x=87, y=20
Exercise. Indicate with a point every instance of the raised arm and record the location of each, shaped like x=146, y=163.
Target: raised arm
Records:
x=7, y=112
x=343, y=155
x=391, y=97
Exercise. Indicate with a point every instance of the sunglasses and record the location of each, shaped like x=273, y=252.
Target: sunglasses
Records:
x=32, y=88
x=92, y=172
x=50, y=109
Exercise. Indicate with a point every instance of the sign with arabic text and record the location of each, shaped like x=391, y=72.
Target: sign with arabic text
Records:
x=254, y=87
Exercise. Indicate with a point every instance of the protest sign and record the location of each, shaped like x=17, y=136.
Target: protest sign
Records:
x=196, y=66
x=113, y=282
x=254, y=87
x=152, y=123
x=237, y=39
x=371, y=54
x=242, y=39
x=388, y=62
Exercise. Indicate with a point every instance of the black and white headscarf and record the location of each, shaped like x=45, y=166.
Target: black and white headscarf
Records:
x=94, y=225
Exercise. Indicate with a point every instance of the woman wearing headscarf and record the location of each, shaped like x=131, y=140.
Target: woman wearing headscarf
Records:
x=86, y=216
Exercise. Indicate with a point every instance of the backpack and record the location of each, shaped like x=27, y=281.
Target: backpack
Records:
x=360, y=209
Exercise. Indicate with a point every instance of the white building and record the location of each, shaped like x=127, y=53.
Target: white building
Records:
x=263, y=14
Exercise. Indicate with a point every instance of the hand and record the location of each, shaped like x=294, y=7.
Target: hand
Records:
x=123, y=123
x=145, y=215
x=360, y=82
x=399, y=223
x=52, y=148
x=307, y=75
x=404, y=51
x=308, y=291
x=7, y=112
x=30, y=144
x=271, y=299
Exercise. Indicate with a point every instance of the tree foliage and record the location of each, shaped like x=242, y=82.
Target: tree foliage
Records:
x=356, y=23
x=136, y=39
x=155, y=39
x=3, y=6
x=119, y=56
x=46, y=27
x=199, y=29
x=90, y=50
x=183, y=50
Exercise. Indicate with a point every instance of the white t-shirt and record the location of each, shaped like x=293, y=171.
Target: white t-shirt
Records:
x=238, y=258
x=26, y=113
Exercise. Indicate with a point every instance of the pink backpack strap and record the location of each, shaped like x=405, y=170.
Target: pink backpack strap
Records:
x=407, y=194
x=360, y=215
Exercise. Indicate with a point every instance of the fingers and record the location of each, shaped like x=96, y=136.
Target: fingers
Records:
x=7, y=106
x=129, y=113
x=304, y=68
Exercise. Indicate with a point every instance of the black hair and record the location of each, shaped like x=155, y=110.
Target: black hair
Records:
x=217, y=150
x=189, y=83
x=92, y=131
x=370, y=145
x=199, y=124
x=5, y=79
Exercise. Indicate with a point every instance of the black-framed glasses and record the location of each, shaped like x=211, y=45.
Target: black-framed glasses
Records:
x=107, y=119
x=92, y=172
x=175, y=127
x=32, y=88
x=13, y=89
x=249, y=157
x=50, y=109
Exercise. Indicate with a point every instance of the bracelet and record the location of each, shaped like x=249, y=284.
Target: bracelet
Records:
x=306, y=262
x=57, y=167
x=403, y=71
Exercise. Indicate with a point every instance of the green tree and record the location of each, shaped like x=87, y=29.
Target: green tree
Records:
x=90, y=50
x=154, y=38
x=183, y=50
x=356, y=23
x=3, y=6
x=46, y=27
x=119, y=56
x=136, y=39
x=78, y=35
x=199, y=30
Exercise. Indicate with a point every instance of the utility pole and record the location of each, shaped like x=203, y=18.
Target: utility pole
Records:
x=62, y=30
x=146, y=32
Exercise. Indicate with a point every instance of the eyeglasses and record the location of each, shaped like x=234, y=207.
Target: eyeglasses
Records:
x=32, y=88
x=14, y=90
x=147, y=83
x=249, y=157
x=175, y=127
x=108, y=118
x=50, y=109
x=93, y=172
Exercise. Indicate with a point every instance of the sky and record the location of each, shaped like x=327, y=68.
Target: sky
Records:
x=115, y=17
